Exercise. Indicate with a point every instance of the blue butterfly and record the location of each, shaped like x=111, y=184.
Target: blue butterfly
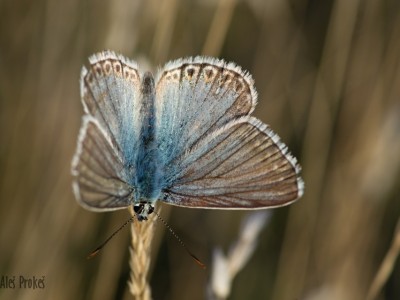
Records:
x=185, y=137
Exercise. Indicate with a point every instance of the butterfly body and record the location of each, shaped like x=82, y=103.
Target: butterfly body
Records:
x=149, y=166
x=185, y=137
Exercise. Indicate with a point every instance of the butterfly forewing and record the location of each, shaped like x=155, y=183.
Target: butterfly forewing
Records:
x=196, y=96
x=110, y=91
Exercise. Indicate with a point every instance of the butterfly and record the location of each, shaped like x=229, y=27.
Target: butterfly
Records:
x=185, y=137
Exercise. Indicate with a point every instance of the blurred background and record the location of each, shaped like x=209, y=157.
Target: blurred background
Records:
x=328, y=78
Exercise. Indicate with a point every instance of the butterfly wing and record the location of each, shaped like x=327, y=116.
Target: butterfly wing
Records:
x=216, y=154
x=194, y=97
x=242, y=165
x=97, y=168
x=104, y=163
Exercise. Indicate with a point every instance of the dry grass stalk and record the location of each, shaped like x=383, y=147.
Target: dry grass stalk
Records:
x=219, y=27
x=386, y=267
x=225, y=268
x=142, y=235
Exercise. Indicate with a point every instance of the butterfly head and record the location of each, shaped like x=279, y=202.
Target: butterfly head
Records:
x=142, y=210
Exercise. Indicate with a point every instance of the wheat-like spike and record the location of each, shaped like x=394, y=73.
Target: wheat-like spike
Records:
x=142, y=234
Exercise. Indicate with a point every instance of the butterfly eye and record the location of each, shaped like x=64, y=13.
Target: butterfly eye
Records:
x=151, y=209
x=138, y=208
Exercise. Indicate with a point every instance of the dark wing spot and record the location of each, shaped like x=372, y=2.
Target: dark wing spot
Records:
x=99, y=70
x=118, y=68
x=107, y=67
x=208, y=73
x=190, y=72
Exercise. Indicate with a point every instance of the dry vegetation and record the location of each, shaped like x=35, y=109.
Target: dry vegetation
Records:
x=328, y=77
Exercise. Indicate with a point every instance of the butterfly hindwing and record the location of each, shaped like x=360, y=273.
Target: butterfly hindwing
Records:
x=241, y=165
x=98, y=170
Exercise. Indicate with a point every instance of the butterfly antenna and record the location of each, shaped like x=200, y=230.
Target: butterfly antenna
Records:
x=198, y=261
x=97, y=250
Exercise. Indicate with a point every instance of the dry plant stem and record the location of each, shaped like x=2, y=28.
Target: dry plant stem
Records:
x=386, y=267
x=219, y=27
x=226, y=267
x=142, y=234
x=165, y=27
x=317, y=145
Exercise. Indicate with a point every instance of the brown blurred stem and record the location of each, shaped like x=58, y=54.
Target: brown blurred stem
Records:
x=386, y=267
